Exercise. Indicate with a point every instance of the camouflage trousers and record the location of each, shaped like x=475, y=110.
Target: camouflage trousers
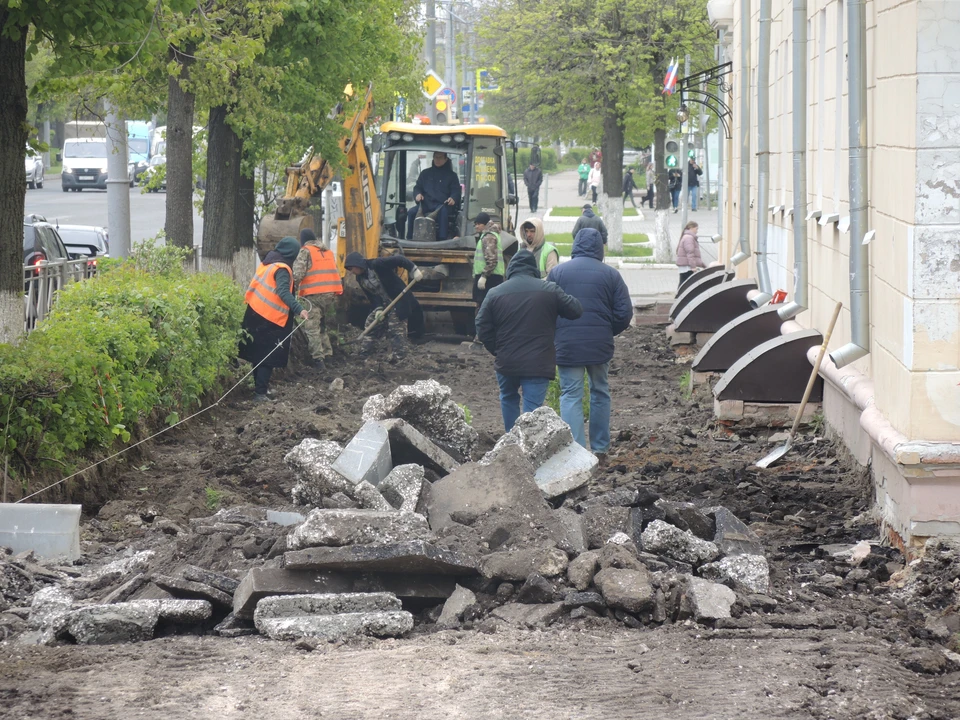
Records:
x=394, y=330
x=323, y=310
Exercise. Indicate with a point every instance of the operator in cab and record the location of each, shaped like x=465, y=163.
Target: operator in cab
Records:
x=437, y=187
x=378, y=279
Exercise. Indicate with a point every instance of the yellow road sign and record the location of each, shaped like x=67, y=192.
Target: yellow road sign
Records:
x=432, y=84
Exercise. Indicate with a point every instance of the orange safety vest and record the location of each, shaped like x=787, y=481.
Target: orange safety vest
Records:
x=322, y=277
x=262, y=294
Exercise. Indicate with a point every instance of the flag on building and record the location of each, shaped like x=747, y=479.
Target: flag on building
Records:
x=670, y=79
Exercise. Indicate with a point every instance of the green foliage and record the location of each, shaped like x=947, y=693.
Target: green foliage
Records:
x=575, y=211
x=817, y=423
x=467, y=415
x=686, y=385
x=553, y=395
x=129, y=346
x=575, y=155
x=548, y=159
x=214, y=498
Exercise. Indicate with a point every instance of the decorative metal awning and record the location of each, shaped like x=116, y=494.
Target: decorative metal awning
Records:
x=707, y=88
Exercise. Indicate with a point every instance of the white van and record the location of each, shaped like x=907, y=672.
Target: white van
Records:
x=85, y=164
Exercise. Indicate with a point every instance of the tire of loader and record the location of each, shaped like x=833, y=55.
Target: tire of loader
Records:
x=463, y=322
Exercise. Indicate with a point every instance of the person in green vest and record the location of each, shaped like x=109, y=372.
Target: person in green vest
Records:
x=584, y=172
x=546, y=254
x=488, y=266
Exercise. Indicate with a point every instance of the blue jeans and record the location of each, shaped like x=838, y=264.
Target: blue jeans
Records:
x=694, y=196
x=442, y=219
x=534, y=393
x=675, y=197
x=571, y=404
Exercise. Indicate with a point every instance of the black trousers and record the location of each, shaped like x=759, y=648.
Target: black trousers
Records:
x=649, y=197
x=261, y=379
x=684, y=275
x=534, y=197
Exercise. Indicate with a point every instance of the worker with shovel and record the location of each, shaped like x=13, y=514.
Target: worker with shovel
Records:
x=378, y=279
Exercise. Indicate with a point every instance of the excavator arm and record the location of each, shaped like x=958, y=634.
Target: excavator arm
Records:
x=360, y=229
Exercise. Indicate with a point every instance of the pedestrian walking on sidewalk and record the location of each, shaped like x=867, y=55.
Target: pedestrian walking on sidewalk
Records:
x=595, y=180
x=378, y=279
x=651, y=182
x=629, y=185
x=533, y=178
x=675, y=185
x=589, y=220
x=516, y=324
x=688, y=252
x=693, y=182
x=315, y=276
x=546, y=254
x=583, y=171
x=585, y=344
x=269, y=318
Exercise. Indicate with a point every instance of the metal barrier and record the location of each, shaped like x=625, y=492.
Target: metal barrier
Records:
x=42, y=281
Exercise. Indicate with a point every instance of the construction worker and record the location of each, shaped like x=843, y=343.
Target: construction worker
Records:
x=315, y=276
x=488, y=266
x=378, y=279
x=271, y=309
x=546, y=254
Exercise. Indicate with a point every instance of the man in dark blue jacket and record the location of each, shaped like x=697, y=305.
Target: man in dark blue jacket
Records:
x=585, y=344
x=516, y=323
x=437, y=187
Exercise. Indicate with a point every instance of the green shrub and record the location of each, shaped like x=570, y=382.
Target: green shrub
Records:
x=548, y=159
x=126, y=347
x=575, y=155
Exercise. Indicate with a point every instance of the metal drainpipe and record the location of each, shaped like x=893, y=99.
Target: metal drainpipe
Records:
x=859, y=259
x=744, y=208
x=763, y=154
x=800, y=258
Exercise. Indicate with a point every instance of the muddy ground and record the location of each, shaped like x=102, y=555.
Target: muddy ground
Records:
x=853, y=649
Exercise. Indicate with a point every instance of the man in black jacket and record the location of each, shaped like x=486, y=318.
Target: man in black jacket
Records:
x=533, y=178
x=380, y=283
x=437, y=187
x=516, y=324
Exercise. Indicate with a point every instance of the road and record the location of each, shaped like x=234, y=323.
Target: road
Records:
x=147, y=210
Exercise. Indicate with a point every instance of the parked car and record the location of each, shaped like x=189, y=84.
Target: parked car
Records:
x=158, y=164
x=33, y=169
x=84, y=240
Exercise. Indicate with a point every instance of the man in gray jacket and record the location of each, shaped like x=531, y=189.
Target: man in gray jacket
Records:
x=589, y=220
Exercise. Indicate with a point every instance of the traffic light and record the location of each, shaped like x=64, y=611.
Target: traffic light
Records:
x=691, y=153
x=671, y=161
x=442, y=108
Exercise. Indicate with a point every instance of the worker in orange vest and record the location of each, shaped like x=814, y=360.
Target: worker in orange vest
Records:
x=271, y=309
x=315, y=276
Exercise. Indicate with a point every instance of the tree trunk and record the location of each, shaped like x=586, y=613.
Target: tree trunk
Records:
x=180, y=110
x=13, y=137
x=220, y=232
x=246, y=217
x=611, y=195
x=662, y=248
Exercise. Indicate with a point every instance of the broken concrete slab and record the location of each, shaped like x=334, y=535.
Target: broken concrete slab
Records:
x=338, y=627
x=182, y=612
x=750, y=573
x=427, y=405
x=415, y=586
x=221, y=582
x=572, y=527
x=629, y=590
x=265, y=582
x=453, y=608
x=337, y=528
x=284, y=518
x=190, y=590
x=414, y=556
x=537, y=590
x=569, y=469
x=540, y=434
x=402, y=487
x=618, y=556
x=126, y=590
x=48, y=605
x=323, y=604
x=110, y=624
x=369, y=497
x=663, y=538
x=312, y=463
x=519, y=564
x=687, y=516
x=366, y=458
x=582, y=569
x=601, y=522
x=409, y=445
x=708, y=600
x=732, y=536
x=592, y=600
x=529, y=616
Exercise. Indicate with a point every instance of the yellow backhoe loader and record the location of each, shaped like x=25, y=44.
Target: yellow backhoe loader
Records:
x=375, y=202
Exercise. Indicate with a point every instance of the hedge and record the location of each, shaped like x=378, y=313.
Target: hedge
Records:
x=548, y=159
x=141, y=343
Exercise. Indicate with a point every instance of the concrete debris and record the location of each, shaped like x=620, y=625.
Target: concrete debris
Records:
x=189, y=590
x=572, y=530
x=126, y=590
x=336, y=386
x=520, y=564
x=221, y=582
x=529, y=616
x=663, y=538
x=581, y=570
x=366, y=458
x=183, y=612
x=545, y=440
x=427, y=406
x=285, y=518
x=732, y=537
x=592, y=600
x=338, y=627
x=402, y=487
x=312, y=463
x=370, y=498
x=687, y=516
x=749, y=573
x=453, y=608
x=111, y=624
x=338, y=528
x=49, y=604
x=323, y=604
x=409, y=445
x=620, y=557
x=629, y=590
x=708, y=600
x=412, y=556
x=601, y=522
x=536, y=590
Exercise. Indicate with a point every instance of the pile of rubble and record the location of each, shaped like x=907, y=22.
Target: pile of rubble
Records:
x=401, y=530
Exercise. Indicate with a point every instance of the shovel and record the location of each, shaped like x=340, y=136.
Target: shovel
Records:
x=386, y=311
x=782, y=450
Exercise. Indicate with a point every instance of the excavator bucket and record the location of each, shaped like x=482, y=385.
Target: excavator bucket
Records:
x=273, y=230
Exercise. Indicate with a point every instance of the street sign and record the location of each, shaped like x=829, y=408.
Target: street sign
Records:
x=432, y=84
x=671, y=161
x=449, y=94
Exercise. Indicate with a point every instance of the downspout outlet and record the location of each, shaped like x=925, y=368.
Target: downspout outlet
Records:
x=851, y=352
x=790, y=311
x=760, y=299
x=739, y=258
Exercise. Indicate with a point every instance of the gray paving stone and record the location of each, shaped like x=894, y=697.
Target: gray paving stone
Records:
x=337, y=528
x=366, y=458
x=402, y=487
x=414, y=556
x=409, y=445
x=338, y=627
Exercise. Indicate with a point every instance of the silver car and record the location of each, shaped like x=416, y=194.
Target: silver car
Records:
x=33, y=170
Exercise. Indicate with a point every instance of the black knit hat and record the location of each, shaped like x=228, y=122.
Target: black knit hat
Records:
x=482, y=218
x=306, y=235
